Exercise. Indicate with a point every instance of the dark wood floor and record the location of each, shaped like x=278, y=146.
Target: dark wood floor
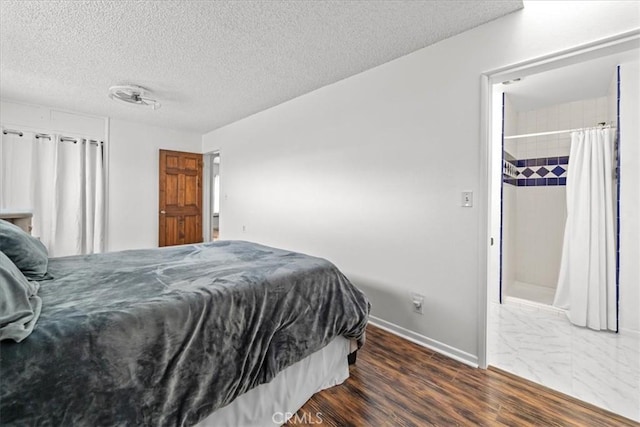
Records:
x=398, y=383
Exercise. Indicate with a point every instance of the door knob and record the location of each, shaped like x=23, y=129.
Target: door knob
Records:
x=163, y=212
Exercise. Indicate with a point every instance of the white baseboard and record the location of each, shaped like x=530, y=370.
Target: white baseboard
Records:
x=535, y=305
x=630, y=333
x=452, y=352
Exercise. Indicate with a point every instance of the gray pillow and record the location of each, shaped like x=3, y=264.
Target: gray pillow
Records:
x=26, y=252
x=19, y=303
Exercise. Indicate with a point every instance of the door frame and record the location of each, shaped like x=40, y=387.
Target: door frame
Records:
x=603, y=47
x=207, y=186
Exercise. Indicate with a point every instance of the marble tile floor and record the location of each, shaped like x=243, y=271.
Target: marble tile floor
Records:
x=601, y=368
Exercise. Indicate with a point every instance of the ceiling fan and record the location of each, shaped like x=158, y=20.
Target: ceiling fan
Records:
x=133, y=95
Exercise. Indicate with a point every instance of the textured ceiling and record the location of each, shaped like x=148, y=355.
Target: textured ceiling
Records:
x=210, y=63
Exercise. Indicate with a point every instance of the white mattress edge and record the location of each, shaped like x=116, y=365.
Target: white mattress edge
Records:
x=273, y=403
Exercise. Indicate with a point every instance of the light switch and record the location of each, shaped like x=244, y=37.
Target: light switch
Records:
x=467, y=199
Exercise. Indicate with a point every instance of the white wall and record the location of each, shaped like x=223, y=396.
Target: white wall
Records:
x=629, y=197
x=133, y=180
x=40, y=118
x=368, y=171
x=132, y=152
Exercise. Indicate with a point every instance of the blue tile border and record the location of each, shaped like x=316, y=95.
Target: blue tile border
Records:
x=537, y=182
x=537, y=172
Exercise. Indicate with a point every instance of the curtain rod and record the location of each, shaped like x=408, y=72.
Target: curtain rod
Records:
x=14, y=132
x=554, y=132
x=47, y=136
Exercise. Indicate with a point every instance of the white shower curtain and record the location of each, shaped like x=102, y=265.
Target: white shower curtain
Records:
x=586, y=284
x=64, y=184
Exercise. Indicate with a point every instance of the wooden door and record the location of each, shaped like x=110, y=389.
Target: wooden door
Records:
x=180, y=215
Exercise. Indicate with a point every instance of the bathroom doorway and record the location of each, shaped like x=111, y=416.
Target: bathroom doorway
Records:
x=539, y=114
x=530, y=156
x=212, y=196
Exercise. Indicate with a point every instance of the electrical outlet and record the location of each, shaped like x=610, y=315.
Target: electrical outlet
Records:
x=244, y=228
x=417, y=302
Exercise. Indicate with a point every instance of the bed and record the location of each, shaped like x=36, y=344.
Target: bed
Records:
x=181, y=335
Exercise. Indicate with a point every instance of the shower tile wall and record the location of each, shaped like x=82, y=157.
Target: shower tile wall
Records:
x=578, y=114
x=534, y=207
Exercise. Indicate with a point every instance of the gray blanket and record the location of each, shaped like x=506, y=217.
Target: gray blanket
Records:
x=163, y=337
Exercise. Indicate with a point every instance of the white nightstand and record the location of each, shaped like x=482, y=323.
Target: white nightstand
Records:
x=20, y=218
